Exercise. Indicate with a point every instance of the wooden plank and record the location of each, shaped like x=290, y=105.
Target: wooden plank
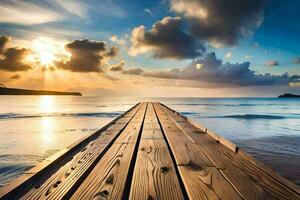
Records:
x=151, y=126
x=56, y=180
x=152, y=134
x=249, y=180
x=59, y=183
x=107, y=179
x=56, y=186
x=214, y=135
x=206, y=183
x=201, y=178
x=154, y=174
x=130, y=133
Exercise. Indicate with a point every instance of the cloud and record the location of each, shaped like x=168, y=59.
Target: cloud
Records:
x=26, y=13
x=120, y=41
x=248, y=57
x=12, y=59
x=228, y=55
x=113, y=38
x=2, y=85
x=296, y=61
x=212, y=70
x=15, y=77
x=134, y=71
x=41, y=12
x=3, y=41
x=76, y=8
x=87, y=56
x=221, y=23
x=148, y=11
x=272, y=63
x=166, y=39
x=117, y=67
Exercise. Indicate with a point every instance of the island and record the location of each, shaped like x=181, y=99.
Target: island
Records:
x=17, y=91
x=288, y=95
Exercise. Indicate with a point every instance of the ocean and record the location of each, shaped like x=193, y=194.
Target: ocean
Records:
x=35, y=127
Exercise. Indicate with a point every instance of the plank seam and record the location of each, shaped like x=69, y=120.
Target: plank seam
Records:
x=199, y=147
x=77, y=184
x=236, y=151
x=62, y=159
x=128, y=182
x=184, y=192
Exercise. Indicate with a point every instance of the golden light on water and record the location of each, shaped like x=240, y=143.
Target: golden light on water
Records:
x=47, y=124
x=48, y=127
x=47, y=104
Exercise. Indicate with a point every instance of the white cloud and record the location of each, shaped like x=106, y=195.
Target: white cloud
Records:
x=78, y=8
x=147, y=10
x=26, y=13
x=248, y=57
x=228, y=55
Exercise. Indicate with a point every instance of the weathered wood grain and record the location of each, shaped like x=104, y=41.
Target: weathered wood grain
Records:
x=171, y=159
x=152, y=134
x=247, y=178
x=154, y=174
x=201, y=178
x=107, y=179
x=59, y=179
x=59, y=183
x=63, y=180
x=130, y=133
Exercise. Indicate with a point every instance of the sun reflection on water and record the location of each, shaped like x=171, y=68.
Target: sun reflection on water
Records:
x=46, y=104
x=47, y=123
x=48, y=127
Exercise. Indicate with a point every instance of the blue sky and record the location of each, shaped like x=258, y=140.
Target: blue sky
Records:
x=270, y=42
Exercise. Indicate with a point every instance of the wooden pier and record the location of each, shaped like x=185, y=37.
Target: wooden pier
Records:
x=151, y=152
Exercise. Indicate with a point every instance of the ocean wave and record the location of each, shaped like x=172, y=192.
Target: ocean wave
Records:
x=219, y=104
x=94, y=114
x=229, y=104
x=251, y=116
x=189, y=113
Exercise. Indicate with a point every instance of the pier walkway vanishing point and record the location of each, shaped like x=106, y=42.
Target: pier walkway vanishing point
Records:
x=151, y=152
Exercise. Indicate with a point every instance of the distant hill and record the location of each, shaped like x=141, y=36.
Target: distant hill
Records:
x=287, y=95
x=16, y=91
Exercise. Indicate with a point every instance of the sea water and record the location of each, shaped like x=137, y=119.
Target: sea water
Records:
x=35, y=127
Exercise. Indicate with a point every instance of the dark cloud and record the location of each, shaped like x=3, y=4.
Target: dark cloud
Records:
x=15, y=77
x=2, y=85
x=113, y=51
x=87, y=56
x=272, y=63
x=12, y=59
x=134, y=71
x=212, y=70
x=166, y=39
x=221, y=22
x=3, y=41
x=296, y=61
x=117, y=67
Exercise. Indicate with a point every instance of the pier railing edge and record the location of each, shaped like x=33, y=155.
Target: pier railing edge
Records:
x=54, y=159
x=233, y=147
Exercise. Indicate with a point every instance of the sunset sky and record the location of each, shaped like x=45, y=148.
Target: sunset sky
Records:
x=192, y=48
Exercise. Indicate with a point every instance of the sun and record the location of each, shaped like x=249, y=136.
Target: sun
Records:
x=46, y=58
x=44, y=50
